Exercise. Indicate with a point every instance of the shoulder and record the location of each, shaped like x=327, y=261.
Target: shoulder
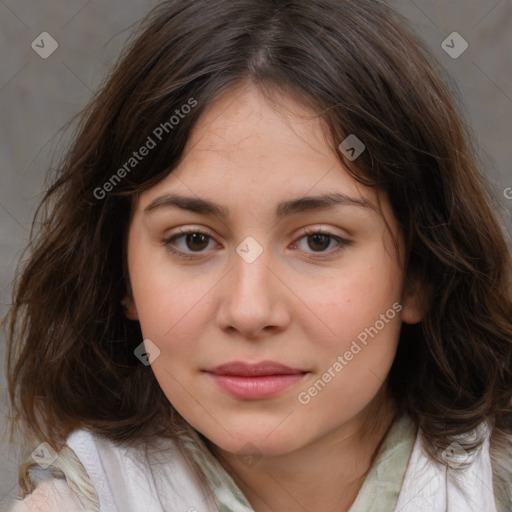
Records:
x=49, y=496
x=65, y=483
x=102, y=457
x=141, y=476
x=463, y=482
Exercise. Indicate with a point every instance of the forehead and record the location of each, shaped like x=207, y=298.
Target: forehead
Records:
x=247, y=127
x=249, y=155
x=247, y=142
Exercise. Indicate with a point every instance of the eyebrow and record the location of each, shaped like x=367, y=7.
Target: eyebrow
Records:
x=284, y=209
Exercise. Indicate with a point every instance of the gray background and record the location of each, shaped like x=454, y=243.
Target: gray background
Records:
x=38, y=96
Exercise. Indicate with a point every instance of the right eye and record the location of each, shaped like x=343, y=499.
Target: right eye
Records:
x=194, y=239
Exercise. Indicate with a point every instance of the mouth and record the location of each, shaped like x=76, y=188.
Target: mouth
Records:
x=255, y=381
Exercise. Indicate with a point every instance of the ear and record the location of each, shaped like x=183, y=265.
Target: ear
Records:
x=129, y=308
x=415, y=299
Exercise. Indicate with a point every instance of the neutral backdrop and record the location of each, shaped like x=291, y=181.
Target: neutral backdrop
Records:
x=38, y=96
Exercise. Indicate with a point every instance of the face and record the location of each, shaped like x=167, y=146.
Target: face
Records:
x=277, y=321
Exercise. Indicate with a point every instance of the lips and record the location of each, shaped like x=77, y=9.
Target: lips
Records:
x=255, y=381
x=242, y=369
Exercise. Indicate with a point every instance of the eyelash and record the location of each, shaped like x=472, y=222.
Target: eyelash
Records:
x=167, y=242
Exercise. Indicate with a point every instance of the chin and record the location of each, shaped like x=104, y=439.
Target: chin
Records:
x=256, y=443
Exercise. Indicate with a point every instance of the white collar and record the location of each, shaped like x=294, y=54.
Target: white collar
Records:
x=125, y=482
x=427, y=486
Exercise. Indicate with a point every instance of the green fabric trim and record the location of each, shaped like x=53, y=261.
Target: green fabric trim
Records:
x=227, y=495
x=380, y=490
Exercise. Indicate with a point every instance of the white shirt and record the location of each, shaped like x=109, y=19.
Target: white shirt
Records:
x=126, y=482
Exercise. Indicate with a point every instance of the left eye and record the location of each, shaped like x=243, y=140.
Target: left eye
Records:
x=197, y=242
x=322, y=239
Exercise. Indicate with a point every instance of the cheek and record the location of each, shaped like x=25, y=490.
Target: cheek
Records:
x=361, y=319
x=171, y=304
x=173, y=312
x=353, y=368
x=350, y=302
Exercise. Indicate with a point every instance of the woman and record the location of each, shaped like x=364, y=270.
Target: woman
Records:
x=259, y=371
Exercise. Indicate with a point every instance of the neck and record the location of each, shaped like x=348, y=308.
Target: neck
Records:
x=324, y=475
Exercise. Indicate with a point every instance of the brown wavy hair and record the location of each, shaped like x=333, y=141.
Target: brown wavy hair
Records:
x=70, y=359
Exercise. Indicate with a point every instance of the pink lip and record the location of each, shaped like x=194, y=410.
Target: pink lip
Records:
x=255, y=381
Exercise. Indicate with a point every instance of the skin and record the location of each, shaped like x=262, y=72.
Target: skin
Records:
x=300, y=303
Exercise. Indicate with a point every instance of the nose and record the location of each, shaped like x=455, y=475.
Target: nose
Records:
x=252, y=298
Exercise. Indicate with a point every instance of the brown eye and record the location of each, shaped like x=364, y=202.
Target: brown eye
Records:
x=319, y=241
x=196, y=241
